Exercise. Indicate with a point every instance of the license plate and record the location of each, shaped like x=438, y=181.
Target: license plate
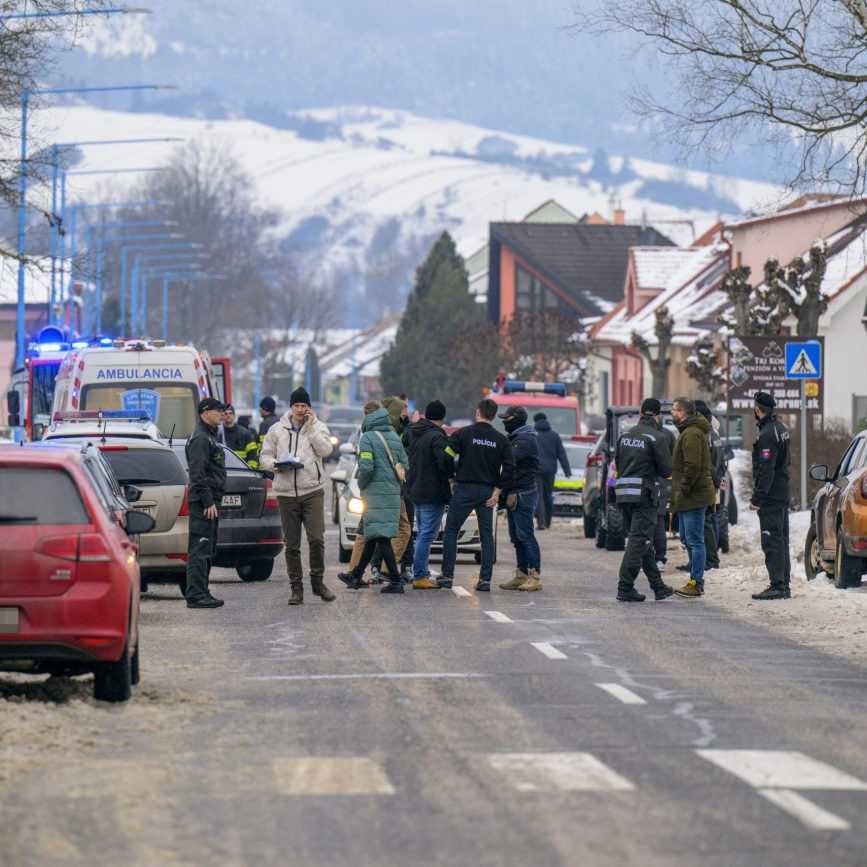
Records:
x=230, y=500
x=8, y=620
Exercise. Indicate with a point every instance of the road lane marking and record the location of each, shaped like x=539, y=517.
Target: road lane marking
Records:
x=804, y=810
x=377, y=675
x=782, y=769
x=548, y=649
x=563, y=772
x=318, y=775
x=461, y=591
x=499, y=617
x=621, y=693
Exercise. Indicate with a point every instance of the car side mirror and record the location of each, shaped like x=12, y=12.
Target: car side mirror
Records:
x=132, y=493
x=819, y=473
x=346, y=449
x=138, y=523
x=339, y=477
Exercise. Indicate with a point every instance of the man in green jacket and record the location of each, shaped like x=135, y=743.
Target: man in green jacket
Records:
x=692, y=489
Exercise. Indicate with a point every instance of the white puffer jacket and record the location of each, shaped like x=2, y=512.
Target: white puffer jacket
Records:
x=311, y=445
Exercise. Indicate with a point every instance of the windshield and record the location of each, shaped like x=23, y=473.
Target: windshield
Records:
x=562, y=419
x=628, y=421
x=44, y=379
x=577, y=454
x=173, y=407
x=145, y=467
x=37, y=495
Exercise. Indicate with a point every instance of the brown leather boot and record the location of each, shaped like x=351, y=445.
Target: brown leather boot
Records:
x=297, y=597
x=320, y=590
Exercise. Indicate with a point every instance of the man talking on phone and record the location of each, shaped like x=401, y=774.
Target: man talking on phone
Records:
x=207, y=466
x=294, y=450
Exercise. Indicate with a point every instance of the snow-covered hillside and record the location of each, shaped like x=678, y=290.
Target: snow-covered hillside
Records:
x=364, y=190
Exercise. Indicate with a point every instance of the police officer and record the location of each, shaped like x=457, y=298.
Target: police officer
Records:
x=771, y=495
x=241, y=440
x=643, y=458
x=207, y=467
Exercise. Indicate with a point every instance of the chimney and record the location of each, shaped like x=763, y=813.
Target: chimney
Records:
x=619, y=216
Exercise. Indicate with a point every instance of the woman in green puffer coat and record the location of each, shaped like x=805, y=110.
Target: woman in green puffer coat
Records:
x=380, y=490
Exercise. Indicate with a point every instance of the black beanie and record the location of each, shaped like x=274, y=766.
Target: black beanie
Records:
x=300, y=395
x=702, y=409
x=651, y=406
x=268, y=404
x=435, y=411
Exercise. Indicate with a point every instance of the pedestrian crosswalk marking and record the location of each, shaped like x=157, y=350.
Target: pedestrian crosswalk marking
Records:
x=558, y=772
x=621, y=693
x=461, y=591
x=499, y=617
x=803, y=809
x=330, y=775
x=782, y=769
x=548, y=649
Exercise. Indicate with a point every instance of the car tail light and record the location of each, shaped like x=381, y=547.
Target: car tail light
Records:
x=92, y=549
x=183, y=557
x=107, y=448
x=595, y=460
x=271, y=502
x=61, y=547
x=185, y=504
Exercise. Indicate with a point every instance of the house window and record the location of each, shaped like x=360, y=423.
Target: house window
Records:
x=533, y=296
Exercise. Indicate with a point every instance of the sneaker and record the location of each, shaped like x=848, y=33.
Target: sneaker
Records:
x=393, y=587
x=483, y=586
x=406, y=574
x=444, y=583
x=690, y=590
x=532, y=583
x=660, y=564
x=517, y=582
x=773, y=593
x=425, y=584
x=631, y=595
x=205, y=602
x=376, y=577
x=663, y=593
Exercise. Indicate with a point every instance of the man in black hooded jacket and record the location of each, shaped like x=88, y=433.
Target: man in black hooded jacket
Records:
x=431, y=468
x=551, y=452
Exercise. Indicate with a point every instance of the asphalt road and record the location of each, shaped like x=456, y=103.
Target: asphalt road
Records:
x=458, y=728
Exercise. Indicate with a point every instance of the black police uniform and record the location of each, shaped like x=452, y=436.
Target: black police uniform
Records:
x=717, y=472
x=660, y=538
x=207, y=467
x=643, y=458
x=771, y=493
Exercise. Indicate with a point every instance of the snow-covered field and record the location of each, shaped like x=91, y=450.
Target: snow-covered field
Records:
x=818, y=614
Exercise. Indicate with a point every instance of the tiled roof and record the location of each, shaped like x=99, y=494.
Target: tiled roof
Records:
x=588, y=262
x=655, y=266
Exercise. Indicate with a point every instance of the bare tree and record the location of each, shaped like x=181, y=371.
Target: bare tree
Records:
x=703, y=366
x=797, y=288
x=659, y=364
x=783, y=70
x=755, y=310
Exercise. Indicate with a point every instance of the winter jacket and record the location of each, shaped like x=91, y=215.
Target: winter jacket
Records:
x=379, y=486
x=665, y=481
x=207, y=466
x=266, y=424
x=430, y=465
x=643, y=458
x=484, y=456
x=396, y=408
x=691, y=482
x=771, y=464
x=551, y=451
x=525, y=449
x=243, y=442
x=310, y=445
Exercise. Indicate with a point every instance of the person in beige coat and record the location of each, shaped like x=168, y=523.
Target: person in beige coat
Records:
x=295, y=449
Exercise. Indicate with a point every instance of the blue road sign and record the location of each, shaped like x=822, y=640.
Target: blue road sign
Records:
x=804, y=360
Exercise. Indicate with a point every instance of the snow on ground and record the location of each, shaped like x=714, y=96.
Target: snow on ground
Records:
x=818, y=614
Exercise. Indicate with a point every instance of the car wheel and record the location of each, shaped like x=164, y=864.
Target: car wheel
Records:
x=255, y=570
x=733, y=509
x=344, y=555
x=134, y=666
x=601, y=536
x=589, y=526
x=847, y=570
x=812, y=564
x=722, y=529
x=112, y=681
x=614, y=538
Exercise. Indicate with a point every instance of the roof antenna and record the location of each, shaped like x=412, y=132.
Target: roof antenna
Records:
x=104, y=431
x=172, y=434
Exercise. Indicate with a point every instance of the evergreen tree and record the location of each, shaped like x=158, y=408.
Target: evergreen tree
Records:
x=444, y=347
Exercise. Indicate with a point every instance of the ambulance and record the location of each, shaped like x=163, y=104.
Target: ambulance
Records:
x=562, y=410
x=164, y=381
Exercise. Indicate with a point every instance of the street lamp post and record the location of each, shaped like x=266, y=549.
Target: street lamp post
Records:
x=138, y=303
x=179, y=277
x=20, y=324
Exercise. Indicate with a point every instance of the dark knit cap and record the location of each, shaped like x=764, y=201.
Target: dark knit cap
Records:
x=435, y=411
x=702, y=409
x=300, y=395
x=540, y=416
x=764, y=400
x=651, y=406
x=268, y=404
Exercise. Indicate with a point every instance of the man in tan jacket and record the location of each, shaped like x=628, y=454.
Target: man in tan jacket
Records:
x=294, y=450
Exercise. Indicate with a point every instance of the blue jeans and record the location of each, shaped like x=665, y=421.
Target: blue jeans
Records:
x=428, y=517
x=691, y=525
x=469, y=497
x=522, y=534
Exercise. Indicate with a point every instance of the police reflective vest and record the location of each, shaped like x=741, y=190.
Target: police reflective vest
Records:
x=643, y=458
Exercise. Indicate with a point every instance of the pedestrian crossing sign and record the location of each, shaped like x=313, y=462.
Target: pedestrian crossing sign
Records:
x=804, y=360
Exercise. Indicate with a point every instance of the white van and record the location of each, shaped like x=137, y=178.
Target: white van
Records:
x=165, y=381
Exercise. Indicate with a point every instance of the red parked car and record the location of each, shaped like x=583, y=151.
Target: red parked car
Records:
x=69, y=576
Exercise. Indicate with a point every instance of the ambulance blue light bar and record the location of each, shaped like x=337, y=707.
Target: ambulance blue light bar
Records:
x=515, y=386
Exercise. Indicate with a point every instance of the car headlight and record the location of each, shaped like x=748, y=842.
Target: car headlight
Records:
x=334, y=441
x=356, y=506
